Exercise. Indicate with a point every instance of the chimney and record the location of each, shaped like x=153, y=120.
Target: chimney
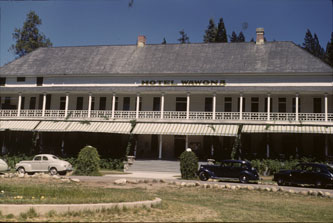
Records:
x=141, y=41
x=260, y=36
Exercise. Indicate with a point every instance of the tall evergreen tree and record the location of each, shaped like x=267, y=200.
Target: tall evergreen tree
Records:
x=164, y=41
x=329, y=51
x=183, y=37
x=29, y=38
x=318, y=50
x=210, y=33
x=241, y=37
x=221, y=35
x=233, y=38
x=308, y=44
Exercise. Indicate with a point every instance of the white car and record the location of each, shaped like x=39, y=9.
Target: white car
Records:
x=3, y=166
x=44, y=163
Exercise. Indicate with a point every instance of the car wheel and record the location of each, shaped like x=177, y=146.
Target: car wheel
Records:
x=243, y=179
x=53, y=171
x=280, y=182
x=21, y=170
x=203, y=176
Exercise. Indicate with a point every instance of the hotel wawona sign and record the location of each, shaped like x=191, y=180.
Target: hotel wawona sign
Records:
x=183, y=83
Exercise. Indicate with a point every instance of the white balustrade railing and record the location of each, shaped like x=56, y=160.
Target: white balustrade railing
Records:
x=175, y=115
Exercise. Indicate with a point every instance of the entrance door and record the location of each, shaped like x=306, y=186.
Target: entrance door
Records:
x=179, y=145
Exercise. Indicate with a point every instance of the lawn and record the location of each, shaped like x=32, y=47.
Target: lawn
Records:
x=198, y=204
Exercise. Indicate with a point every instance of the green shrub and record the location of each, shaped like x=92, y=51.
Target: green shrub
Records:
x=88, y=162
x=111, y=164
x=12, y=160
x=188, y=165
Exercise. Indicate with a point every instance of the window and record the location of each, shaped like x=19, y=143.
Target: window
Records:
x=208, y=104
x=254, y=104
x=294, y=105
x=48, y=102
x=92, y=103
x=7, y=100
x=79, y=103
x=40, y=101
x=102, y=103
x=45, y=158
x=282, y=105
x=317, y=105
x=228, y=104
x=40, y=81
x=156, y=104
x=126, y=103
x=238, y=109
x=20, y=79
x=270, y=105
x=32, y=104
x=2, y=81
x=38, y=158
x=181, y=103
x=62, y=103
x=22, y=102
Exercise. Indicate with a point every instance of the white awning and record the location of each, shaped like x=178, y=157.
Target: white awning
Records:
x=185, y=129
x=83, y=127
x=286, y=129
x=18, y=125
x=115, y=127
x=52, y=126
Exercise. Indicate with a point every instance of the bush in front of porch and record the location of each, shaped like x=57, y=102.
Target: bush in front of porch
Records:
x=188, y=165
x=88, y=162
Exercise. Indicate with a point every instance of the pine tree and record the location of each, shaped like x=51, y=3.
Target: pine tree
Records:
x=252, y=40
x=241, y=37
x=29, y=38
x=164, y=41
x=211, y=32
x=233, y=37
x=329, y=51
x=318, y=50
x=221, y=35
x=308, y=44
x=183, y=37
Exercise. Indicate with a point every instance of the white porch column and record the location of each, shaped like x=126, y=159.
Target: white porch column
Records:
x=160, y=148
x=188, y=106
x=296, y=108
x=66, y=104
x=214, y=106
x=19, y=104
x=326, y=108
x=113, y=104
x=137, y=105
x=268, y=107
x=89, y=105
x=241, y=107
x=44, y=105
x=162, y=106
x=186, y=142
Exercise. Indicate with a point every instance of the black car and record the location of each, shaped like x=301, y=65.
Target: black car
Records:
x=229, y=169
x=306, y=173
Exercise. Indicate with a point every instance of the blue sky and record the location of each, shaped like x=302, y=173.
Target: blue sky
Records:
x=113, y=22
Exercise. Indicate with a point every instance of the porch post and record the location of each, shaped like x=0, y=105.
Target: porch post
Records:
x=44, y=105
x=241, y=106
x=268, y=107
x=113, y=104
x=89, y=105
x=214, y=106
x=66, y=104
x=326, y=108
x=19, y=104
x=296, y=109
x=137, y=105
x=188, y=106
x=162, y=106
x=160, y=148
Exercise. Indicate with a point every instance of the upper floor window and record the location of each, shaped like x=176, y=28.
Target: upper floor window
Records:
x=126, y=103
x=156, y=104
x=254, y=104
x=102, y=103
x=40, y=81
x=208, y=104
x=316, y=105
x=2, y=81
x=282, y=104
x=227, y=104
x=181, y=103
x=20, y=79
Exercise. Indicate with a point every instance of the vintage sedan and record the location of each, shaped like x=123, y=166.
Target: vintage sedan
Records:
x=229, y=169
x=44, y=163
x=3, y=166
x=317, y=174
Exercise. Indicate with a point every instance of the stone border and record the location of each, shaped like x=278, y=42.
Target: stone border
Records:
x=42, y=209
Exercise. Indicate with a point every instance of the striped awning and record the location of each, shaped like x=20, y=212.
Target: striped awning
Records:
x=286, y=129
x=18, y=125
x=115, y=127
x=83, y=127
x=185, y=129
x=52, y=126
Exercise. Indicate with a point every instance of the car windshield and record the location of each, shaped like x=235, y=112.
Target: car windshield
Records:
x=54, y=157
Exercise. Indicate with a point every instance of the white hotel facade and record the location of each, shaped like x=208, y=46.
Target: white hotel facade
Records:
x=275, y=94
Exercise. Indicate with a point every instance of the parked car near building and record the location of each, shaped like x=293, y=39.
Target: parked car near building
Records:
x=3, y=166
x=44, y=163
x=319, y=175
x=229, y=169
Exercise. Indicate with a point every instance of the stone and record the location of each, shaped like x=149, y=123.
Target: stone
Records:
x=304, y=192
x=2, y=176
x=197, y=184
x=267, y=189
x=155, y=181
x=162, y=181
x=183, y=184
x=75, y=180
x=321, y=194
x=145, y=181
x=233, y=188
x=55, y=177
x=250, y=188
x=291, y=191
x=215, y=186
x=274, y=189
x=314, y=193
x=222, y=186
x=45, y=176
x=177, y=183
x=21, y=175
x=120, y=182
x=228, y=186
x=132, y=181
x=190, y=184
x=327, y=194
x=238, y=187
x=205, y=185
x=66, y=180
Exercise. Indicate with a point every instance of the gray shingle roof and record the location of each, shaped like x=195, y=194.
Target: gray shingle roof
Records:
x=206, y=58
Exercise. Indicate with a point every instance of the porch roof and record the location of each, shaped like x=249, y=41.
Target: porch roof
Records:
x=18, y=125
x=287, y=129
